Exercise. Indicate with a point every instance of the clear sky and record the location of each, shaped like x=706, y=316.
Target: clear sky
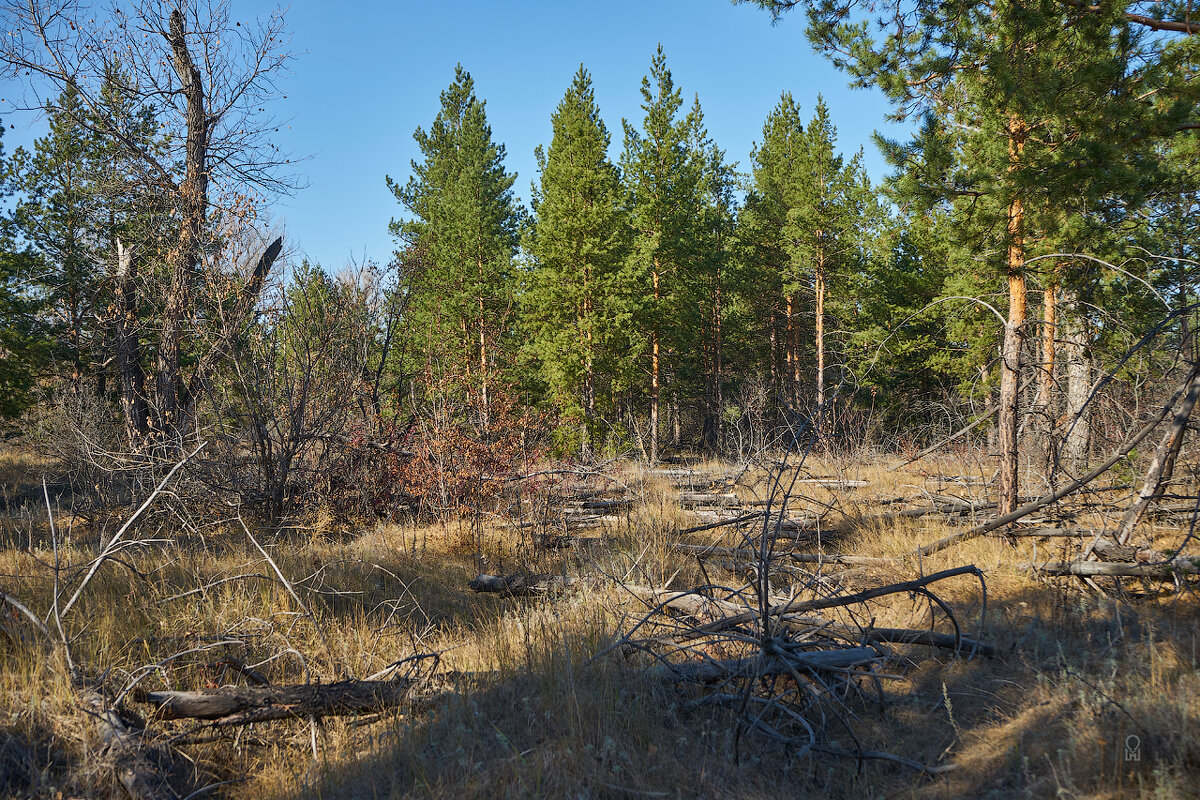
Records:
x=366, y=74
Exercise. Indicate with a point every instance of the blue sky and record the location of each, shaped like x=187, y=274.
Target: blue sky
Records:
x=366, y=74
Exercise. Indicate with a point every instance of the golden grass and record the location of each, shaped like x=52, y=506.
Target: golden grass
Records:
x=540, y=718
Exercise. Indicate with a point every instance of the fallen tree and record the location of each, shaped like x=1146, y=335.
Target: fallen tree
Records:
x=243, y=705
x=520, y=584
x=704, y=551
x=1167, y=570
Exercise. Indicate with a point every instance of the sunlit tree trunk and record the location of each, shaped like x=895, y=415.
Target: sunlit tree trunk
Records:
x=1010, y=354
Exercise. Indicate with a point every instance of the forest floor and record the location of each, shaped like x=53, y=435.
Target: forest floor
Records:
x=1089, y=694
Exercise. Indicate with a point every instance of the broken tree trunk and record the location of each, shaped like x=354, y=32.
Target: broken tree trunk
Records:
x=141, y=777
x=1163, y=465
x=1077, y=438
x=242, y=705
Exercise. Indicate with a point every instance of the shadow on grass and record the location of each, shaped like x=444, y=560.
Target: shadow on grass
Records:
x=1091, y=698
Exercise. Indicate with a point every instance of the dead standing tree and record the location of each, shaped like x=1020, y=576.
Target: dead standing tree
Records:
x=207, y=79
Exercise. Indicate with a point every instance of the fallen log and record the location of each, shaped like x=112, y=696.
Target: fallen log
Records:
x=1048, y=533
x=602, y=505
x=722, y=523
x=803, y=558
x=693, y=499
x=1108, y=550
x=833, y=483
x=242, y=705
x=948, y=508
x=519, y=584
x=1162, y=571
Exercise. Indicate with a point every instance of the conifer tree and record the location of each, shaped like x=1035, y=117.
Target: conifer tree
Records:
x=24, y=344
x=808, y=216
x=465, y=224
x=715, y=278
x=663, y=183
x=56, y=215
x=775, y=163
x=827, y=217
x=574, y=302
x=1044, y=101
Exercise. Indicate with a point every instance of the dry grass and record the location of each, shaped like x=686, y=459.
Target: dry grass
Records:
x=538, y=717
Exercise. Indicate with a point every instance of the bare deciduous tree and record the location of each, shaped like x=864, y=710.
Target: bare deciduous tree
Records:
x=208, y=80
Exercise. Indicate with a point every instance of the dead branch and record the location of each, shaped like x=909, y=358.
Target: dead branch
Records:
x=696, y=605
x=1053, y=497
x=721, y=671
x=111, y=547
x=40, y=626
x=794, y=607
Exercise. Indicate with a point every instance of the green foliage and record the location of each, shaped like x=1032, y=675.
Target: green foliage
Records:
x=575, y=300
x=24, y=344
x=76, y=199
x=664, y=184
x=463, y=230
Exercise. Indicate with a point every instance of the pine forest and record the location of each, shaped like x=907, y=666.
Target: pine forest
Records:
x=677, y=468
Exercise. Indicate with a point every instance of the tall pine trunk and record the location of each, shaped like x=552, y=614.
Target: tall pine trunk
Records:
x=483, y=363
x=820, y=341
x=1010, y=354
x=654, y=368
x=589, y=379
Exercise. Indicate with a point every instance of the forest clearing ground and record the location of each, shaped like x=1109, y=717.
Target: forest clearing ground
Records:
x=533, y=714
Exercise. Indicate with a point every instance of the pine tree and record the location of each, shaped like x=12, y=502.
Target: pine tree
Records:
x=573, y=304
x=826, y=219
x=58, y=215
x=24, y=343
x=663, y=185
x=464, y=224
x=1044, y=101
x=807, y=218
x=774, y=171
x=80, y=207
x=716, y=280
